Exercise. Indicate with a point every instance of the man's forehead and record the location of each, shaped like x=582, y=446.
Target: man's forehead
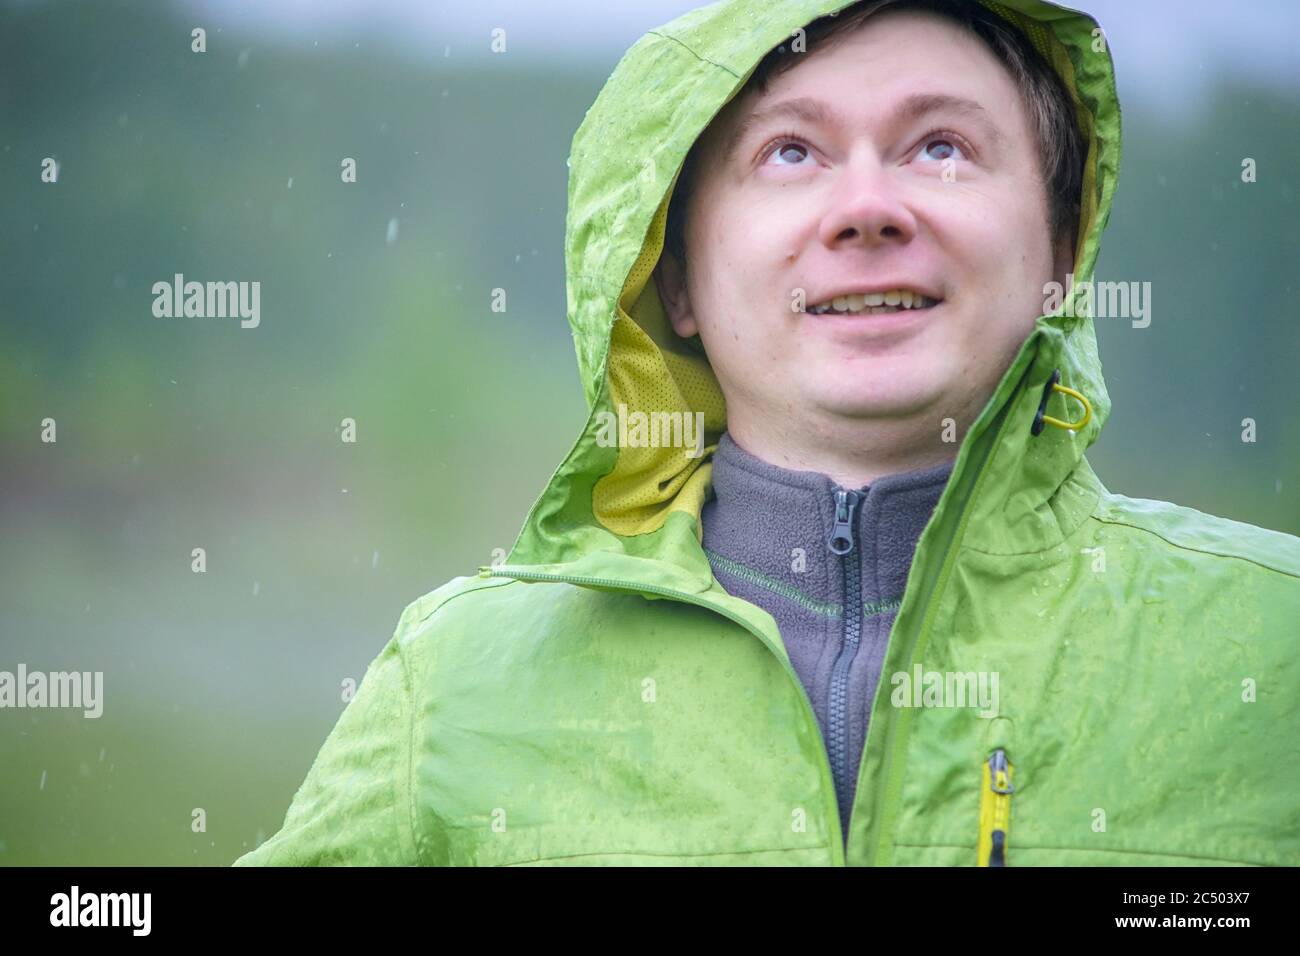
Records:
x=889, y=30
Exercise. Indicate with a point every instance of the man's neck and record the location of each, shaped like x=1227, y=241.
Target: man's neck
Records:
x=852, y=453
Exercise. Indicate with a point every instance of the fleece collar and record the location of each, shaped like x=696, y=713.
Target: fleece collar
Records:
x=772, y=527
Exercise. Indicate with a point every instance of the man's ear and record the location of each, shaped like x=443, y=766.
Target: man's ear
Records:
x=670, y=280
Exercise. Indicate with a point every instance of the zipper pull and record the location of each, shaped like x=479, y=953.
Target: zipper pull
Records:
x=995, y=810
x=841, y=539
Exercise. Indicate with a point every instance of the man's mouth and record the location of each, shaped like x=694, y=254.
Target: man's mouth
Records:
x=874, y=303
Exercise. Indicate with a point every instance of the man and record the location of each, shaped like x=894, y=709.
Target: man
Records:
x=890, y=616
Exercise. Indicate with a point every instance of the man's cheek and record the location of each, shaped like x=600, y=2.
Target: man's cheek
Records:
x=1000, y=214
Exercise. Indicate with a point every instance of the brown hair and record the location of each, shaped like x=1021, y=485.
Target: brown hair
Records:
x=1048, y=103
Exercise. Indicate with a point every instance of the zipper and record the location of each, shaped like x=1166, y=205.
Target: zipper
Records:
x=886, y=788
x=995, y=810
x=837, y=839
x=842, y=543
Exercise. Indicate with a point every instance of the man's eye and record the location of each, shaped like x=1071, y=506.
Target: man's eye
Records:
x=790, y=150
x=939, y=148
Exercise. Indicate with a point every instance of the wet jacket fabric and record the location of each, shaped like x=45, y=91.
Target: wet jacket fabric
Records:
x=600, y=697
x=830, y=565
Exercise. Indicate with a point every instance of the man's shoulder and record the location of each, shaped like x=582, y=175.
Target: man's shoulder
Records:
x=1207, y=540
x=429, y=612
x=485, y=607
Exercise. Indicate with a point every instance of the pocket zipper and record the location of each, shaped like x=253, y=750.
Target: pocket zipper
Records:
x=995, y=810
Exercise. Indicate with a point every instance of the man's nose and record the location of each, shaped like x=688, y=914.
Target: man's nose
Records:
x=867, y=207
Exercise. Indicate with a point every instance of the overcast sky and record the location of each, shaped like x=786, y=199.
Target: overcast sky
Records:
x=1165, y=50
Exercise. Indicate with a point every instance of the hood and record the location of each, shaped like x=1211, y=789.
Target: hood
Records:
x=633, y=513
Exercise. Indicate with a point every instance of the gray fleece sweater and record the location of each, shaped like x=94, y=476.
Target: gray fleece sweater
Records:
x=830, y=565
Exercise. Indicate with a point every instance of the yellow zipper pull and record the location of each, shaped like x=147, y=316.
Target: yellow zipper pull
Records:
x=995, y=810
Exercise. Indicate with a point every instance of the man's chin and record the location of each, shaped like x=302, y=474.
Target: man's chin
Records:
x=887, y=401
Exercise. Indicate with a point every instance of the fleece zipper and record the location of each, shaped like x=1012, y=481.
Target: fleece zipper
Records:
x=842, y=542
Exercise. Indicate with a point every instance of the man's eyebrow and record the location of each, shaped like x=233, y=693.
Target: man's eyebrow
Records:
x=803, y=108
x=923, y=104
x=816, y=113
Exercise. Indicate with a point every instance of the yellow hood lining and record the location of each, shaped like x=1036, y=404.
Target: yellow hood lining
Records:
x=653, y=369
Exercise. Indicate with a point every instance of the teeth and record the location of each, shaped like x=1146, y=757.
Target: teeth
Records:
x=875, y=303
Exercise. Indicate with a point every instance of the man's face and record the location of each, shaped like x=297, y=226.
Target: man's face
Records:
x=859, y=202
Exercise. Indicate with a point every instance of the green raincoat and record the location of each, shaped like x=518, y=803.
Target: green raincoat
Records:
x=599, y=698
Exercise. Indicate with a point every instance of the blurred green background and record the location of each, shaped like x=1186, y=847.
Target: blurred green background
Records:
x=182, y=433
